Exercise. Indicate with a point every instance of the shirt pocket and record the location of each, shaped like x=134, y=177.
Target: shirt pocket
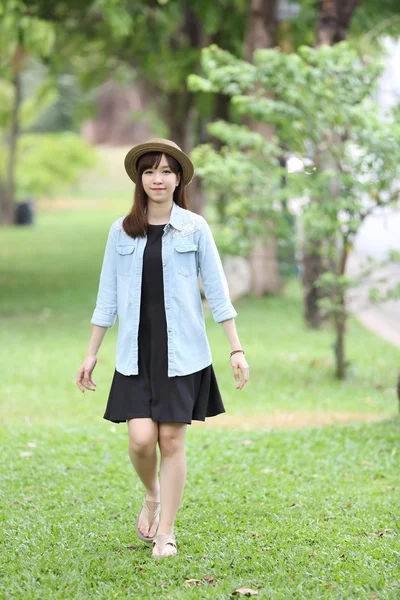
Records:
x=125, y=253
x=186, y=259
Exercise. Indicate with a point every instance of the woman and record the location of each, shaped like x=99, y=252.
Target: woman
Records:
x=164, y=376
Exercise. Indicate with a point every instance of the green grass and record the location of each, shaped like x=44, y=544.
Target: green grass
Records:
x=311, y=513
x=307, y=513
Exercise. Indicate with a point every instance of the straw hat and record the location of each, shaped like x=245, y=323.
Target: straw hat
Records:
x=158, y=145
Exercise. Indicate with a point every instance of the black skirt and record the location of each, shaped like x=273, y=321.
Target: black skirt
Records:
x=151, y=393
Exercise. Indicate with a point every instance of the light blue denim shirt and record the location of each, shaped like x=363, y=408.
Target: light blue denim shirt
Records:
x=188, y=248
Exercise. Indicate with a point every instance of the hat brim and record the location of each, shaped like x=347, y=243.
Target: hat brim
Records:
x=137, y=151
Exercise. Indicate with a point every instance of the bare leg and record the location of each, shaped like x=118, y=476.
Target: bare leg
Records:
x=171, y=440
x=143, y=435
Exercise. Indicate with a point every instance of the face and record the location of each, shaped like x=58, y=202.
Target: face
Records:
x=159, y=183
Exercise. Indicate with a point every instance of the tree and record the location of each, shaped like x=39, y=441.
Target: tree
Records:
x=319, y=94
x=262, y=33
x=24, y=38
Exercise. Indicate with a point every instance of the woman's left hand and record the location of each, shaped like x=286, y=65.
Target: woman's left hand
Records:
x=239, y=362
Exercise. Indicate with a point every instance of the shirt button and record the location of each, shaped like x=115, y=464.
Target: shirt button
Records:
x=163, y=264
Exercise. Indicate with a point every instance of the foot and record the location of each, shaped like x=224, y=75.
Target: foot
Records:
x=149, y=517
x=164, y=545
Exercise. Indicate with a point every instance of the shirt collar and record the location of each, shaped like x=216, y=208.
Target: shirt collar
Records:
x=176, y=215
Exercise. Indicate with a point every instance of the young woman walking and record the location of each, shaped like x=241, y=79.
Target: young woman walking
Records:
x=164, y=376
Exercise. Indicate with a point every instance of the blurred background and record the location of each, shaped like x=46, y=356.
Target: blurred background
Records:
x=289, y=111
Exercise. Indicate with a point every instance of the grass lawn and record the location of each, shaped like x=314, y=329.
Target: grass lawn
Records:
x=301, y=513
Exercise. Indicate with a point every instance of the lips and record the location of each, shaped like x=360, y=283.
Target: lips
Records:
x=158, y=189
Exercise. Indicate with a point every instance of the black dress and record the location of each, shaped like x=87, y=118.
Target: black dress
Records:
x=152, y=393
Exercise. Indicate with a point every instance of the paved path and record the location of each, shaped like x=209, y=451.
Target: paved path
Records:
x=378, y=234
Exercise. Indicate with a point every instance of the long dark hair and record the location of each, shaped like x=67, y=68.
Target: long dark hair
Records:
x=135, y=223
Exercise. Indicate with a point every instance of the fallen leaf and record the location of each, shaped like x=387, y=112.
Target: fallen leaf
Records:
x=255, y=534
x=221, y=467
x=378, y=533
x=245, y=592
x=327, y=586
x=374, y=595
x=190, y=582
x=132, y=547
x=210, y=579
x=31, y=444
x=26, y=453
x=118, y=593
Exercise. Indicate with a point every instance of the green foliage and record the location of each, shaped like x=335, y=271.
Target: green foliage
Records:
x=47, y=163
x=33, y=35
x=319, y=104
x=245, y=178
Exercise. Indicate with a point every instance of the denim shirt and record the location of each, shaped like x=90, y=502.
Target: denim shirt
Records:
x=188, y=248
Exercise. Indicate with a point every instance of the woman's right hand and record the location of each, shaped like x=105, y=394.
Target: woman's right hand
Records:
x=84, y=377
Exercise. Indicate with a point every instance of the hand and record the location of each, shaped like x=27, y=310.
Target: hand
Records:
x=238, y=361
x=84, y=377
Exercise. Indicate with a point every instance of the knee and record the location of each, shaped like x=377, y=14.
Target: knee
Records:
x=142, y=447
x=169, y=443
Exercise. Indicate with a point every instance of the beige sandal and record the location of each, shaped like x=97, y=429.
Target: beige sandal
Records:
x=153, y=511
x=160, y=541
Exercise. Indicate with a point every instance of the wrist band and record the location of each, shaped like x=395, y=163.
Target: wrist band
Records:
x=236, y=351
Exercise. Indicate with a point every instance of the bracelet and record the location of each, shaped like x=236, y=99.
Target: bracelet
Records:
x=236, y=351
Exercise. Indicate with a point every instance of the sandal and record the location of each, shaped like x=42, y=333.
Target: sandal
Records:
x=160, y=541
x=153, y=512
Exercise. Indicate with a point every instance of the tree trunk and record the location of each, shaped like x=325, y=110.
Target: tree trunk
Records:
x=312, y=269
x=261, y=33
x=7, y=190
x=340, y=325
x=333, y=20
x=180, y=112
x=332, y=25
x=340, y=319
x=261, y=26
x=114, y=124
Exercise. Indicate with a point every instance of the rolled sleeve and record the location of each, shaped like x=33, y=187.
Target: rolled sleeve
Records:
x=213, y=277
x=105, y=313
